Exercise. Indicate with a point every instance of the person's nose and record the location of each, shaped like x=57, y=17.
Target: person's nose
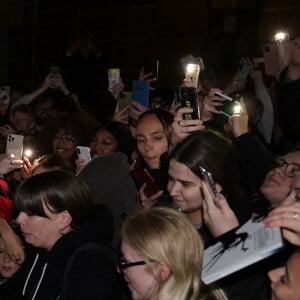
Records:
x=148, y=145
x=280, y=170
x=275, y=274
x=21, y=218
x=173, y=188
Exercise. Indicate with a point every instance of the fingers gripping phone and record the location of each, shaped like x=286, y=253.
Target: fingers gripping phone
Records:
x=210, y=180
x=229, y=106
x=188, y=97
x=14, y=145
x=141, y=176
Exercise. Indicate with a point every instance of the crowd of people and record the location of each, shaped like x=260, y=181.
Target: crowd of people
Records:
x=133, y=220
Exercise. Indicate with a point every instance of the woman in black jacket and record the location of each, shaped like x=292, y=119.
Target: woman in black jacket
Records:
x=56, y=219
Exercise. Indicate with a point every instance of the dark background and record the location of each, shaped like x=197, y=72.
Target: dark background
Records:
x=35, y=34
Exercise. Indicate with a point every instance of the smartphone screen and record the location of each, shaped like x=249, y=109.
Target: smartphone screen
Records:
x=113, y=78
x=188, y=97
x=140, y=92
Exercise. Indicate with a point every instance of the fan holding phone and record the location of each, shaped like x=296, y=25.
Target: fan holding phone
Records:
x=150, y=171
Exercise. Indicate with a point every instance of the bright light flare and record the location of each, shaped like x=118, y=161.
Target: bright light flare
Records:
x=28, y=152
x=281, y=37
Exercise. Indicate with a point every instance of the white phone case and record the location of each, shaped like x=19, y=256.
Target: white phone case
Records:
x=84, y=153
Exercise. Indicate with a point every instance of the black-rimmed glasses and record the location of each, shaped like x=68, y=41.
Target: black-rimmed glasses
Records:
x=123, y=264
x=289, y=169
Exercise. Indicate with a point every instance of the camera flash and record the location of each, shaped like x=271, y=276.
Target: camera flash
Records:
x=281, y=36
x=28, y=152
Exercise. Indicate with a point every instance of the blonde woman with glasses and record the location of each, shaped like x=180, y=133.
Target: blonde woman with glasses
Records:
x=162, y=257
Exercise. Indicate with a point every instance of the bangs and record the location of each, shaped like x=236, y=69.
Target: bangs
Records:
x=30, y=201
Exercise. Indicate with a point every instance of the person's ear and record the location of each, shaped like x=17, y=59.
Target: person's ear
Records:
x=164, y=272
x=64, y=220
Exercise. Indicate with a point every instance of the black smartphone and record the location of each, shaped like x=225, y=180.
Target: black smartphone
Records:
x=230, y=105
x=141, y=176
x=151, y=65
x=188, y=97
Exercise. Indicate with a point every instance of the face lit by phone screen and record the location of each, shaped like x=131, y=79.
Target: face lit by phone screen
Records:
x=151, y=140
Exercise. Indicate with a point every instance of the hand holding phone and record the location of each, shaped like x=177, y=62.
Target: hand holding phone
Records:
x=188, y=97
x=141, y=176
x=229, y=106
x=84, y=153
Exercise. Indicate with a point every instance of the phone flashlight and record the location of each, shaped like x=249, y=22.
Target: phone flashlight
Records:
x=191, y=75
x=237, y=108
x=28, y=152
x=281, y=37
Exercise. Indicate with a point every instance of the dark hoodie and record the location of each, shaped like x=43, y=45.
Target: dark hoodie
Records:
x=108, y=178
x=92, y=274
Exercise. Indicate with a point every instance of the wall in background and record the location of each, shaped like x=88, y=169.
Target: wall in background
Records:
x=36, y=33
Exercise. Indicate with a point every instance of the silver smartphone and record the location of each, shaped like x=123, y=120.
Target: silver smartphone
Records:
x=14, y=145
x=211, y=182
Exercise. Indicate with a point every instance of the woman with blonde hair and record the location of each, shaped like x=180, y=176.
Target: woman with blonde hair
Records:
x=162, y=257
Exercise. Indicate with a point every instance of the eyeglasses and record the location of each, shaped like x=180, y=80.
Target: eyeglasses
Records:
x=124, y=264
x=289, y=169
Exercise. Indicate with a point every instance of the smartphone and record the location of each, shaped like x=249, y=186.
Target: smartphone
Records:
x=141, y=92
x=14, y=145
x=113, y=78
x=244, y=70
x=5, y=94
x=192, y=72
x=271, y=59
x=141, y=176
x=210, y=180
x=54, y=70
x=229, y=106
x=124, y=100
x=188, y=97
x=84, y=153
x=151, y=65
